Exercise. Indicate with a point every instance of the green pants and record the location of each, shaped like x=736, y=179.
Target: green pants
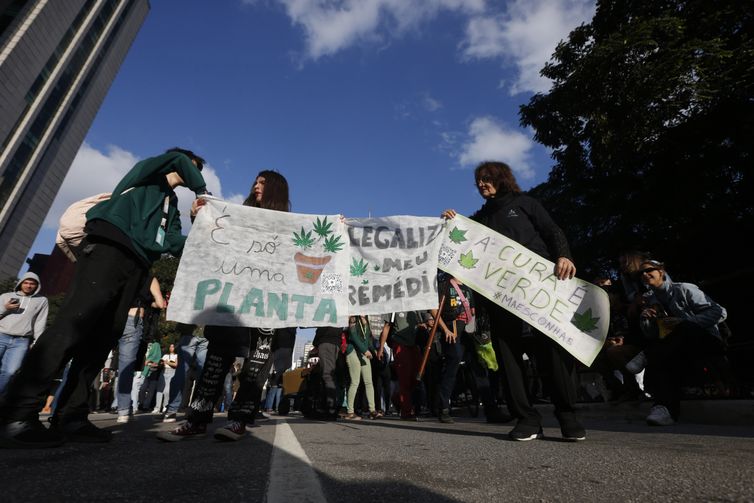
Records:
x=357, y=371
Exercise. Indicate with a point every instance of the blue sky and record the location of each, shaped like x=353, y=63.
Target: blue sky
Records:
x=365, y=106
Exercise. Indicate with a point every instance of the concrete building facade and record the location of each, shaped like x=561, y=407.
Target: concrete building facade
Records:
x=57, y=61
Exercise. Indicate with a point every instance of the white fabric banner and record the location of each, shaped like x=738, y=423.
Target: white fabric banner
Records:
x=244, y=266
x=393, y=263
x=574, y=313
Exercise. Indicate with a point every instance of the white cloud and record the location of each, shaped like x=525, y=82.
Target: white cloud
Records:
x=93, y=172
x=333, y=25
x=489, y=140
x=526, y=36
x=430, y=104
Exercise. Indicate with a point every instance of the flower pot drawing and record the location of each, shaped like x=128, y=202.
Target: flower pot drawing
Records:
x=309, y=268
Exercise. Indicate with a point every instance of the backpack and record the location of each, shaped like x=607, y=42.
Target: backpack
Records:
x=72, y=222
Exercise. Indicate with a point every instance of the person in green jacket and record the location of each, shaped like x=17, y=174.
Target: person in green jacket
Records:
x=125, y=235
x=358, y=354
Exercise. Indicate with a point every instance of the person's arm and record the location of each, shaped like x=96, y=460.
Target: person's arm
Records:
x=162, y=165
x=554, y=237
x=383, y=339
x=355, y=338
x=40, y=322
x=449, y=335
x=704, y=311
x=154, y=289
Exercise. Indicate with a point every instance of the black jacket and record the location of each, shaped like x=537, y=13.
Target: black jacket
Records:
x=524, y=220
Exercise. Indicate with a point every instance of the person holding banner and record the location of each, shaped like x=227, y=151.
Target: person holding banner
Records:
x=522, y=218
x=358, y=353
x=269, y=191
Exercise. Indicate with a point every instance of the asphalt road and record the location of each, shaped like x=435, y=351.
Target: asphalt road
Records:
x=296, y=460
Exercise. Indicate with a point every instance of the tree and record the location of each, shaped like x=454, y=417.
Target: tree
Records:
x=651, y=120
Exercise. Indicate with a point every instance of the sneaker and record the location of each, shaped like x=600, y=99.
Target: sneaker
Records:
x=169, y=417
x=184, y=431
x=123, y=419
x=29, y=435
x=659, y=416
x=83, y=431
x=571, y=427
x=445, y=417
x=523, y=432
x=233, y=430
x=637, y=363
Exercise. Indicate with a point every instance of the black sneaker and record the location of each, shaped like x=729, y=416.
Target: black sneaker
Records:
x=184, y=431
x=83, y=431
x=169, y=417
x=29, y=435
x=570, y=427
x=444, y=417
x=523, y=432
x=234, y=430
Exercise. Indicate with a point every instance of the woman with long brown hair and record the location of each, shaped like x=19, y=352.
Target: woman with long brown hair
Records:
x=269, y=191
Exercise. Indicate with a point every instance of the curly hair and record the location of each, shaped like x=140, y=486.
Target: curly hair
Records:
x=500, y=174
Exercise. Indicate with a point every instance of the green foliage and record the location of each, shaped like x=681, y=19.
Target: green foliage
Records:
x=358, y=268
x=650, y=119
x=8, y=284
x=584, y=321
x=467, y=260
x=333, y=244
x=304, y=239
x=54, y=303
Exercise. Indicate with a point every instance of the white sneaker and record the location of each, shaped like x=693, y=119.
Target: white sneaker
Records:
x=637, y=364
x=659, y=416
x=123, y=419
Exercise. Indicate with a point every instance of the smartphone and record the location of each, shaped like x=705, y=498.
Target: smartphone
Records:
x=15, y=300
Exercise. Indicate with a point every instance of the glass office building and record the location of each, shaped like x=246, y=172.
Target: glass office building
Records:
x=57, y=61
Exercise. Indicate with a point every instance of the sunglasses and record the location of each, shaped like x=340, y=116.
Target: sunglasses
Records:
x=648, y=270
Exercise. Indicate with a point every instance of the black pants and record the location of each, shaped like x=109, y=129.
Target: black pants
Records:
x=669, y=358
x=381, y=383
x=328, y=362
x=224, y=344
x=554, y=361
x=86, y=328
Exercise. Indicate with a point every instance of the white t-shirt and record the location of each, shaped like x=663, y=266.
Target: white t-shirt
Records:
x=168, y=370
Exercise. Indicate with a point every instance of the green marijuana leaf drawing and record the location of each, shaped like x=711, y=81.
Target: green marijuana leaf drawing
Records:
x=467, y=260
x=376, y=267
x=358, y=268
x=303, y=240
x=584, y=321
x=457, y=235
x=322, y=227
x=333, y=244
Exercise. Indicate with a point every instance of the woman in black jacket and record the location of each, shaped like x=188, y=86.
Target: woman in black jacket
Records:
x=522, y=218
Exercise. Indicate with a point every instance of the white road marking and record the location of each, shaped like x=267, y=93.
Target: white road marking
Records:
x=292, y=477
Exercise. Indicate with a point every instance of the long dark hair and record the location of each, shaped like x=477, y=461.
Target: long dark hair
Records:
x=500, y=174
x=275, y=196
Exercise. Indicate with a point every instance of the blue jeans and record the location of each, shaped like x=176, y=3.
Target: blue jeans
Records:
x=189, y=347
x=273, y=397
x=12, y=352
x=128, y=347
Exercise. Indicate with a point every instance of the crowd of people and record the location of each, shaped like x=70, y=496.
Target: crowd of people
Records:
x=366, y=369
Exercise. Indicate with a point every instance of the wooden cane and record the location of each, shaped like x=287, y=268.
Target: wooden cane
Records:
x=431, y=339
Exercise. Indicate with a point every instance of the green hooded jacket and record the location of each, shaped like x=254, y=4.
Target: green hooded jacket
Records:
x=138, y=212
x=154, y=354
